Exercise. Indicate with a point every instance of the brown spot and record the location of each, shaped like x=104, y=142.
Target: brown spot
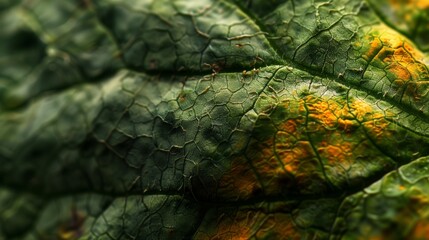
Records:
x=216, y=67
x=182, y=97
x=153, y=64
x=71, y=229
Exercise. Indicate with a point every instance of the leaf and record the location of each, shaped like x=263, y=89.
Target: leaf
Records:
x=233, y=119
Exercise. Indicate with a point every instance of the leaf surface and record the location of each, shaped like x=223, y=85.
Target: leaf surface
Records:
x=209, y=119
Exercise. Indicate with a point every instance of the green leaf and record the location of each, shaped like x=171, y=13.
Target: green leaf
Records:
x=210, y=119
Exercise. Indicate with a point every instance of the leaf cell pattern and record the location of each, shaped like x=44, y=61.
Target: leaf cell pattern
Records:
x=226, y=119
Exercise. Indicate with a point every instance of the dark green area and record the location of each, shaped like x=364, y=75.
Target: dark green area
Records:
x=149, y=119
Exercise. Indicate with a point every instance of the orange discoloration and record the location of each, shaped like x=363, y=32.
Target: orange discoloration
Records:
x=420, y=231
x=247, y=224
x=289, y=126
x=390, y=51
x=318, y=131
x=361, y=110
x=237, y=226
x=422, y=3
x=400, y=71
x=334, y=152
x=408, y=13
x=292, y=156
x=401, y=4
x=338, y=113
x=377, y=128
x=290, y=168
x=72, y=228
x=341, y=153
x=240, y=182
x=375, y=47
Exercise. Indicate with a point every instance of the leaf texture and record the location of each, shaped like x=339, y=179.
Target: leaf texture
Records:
x=226, y=119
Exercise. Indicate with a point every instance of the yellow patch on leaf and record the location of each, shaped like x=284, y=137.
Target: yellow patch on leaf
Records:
x=401, y=4
x=335, y=154
x=318, y=131
x=332, y=113
x=392, y=52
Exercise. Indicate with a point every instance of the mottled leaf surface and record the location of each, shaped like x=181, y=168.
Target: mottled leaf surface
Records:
x=230, y=119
